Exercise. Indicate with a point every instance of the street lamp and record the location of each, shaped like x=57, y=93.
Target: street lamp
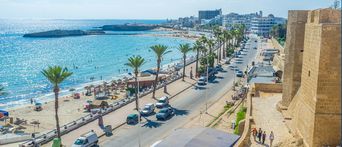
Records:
x=139, y=115
x=206, y=90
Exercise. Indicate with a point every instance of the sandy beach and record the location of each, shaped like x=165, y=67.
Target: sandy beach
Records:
x=69, y=109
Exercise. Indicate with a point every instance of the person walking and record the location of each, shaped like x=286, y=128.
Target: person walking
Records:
x=271, y=138
x=190, y=72
x=259, y=134
x=254, y=132
x=263, y=137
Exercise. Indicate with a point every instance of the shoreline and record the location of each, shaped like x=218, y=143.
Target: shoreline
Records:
x=48, y=97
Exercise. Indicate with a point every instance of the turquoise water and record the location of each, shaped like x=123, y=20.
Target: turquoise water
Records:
x=22, y=59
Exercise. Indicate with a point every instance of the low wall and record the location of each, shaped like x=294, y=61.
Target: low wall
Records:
x=244, y=140
x=277, y=45
x=266, y=87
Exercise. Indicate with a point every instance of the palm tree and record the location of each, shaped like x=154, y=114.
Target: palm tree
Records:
x=198, y=47
x=227, y=37
x=184, y=49
x=210, y=44
x=56, y=75
x=160, y=51
x=135, y=62
x=220, y=39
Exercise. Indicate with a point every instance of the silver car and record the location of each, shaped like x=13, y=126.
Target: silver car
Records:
x=148, y=109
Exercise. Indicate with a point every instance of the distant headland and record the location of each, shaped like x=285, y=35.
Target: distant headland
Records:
x=98, y=31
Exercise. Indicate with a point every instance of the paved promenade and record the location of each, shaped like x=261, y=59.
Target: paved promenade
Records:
x=268, y=119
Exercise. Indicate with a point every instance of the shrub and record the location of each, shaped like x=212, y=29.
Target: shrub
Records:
x=239, y=116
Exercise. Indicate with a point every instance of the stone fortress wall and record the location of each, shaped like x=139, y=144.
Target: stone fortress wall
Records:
x=311, y=88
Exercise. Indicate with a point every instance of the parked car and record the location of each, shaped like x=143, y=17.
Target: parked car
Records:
x=164, y=113
x=226, y=61
x=132, y=119
x=219, y=68
x=86, y=140
x=148, y=109
x=201, y=81
x=255, y=48
x=163, y=101
x=239, y=73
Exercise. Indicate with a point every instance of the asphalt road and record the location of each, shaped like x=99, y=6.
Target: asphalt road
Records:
x=187, y=105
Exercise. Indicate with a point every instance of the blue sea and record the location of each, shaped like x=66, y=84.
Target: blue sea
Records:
x=99, y=56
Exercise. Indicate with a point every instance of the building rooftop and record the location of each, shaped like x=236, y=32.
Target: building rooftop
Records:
x=261, y=71
x=194, y=137
x=269, y=80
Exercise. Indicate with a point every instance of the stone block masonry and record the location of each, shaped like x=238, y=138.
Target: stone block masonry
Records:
x=293, y=54
x=315, y=107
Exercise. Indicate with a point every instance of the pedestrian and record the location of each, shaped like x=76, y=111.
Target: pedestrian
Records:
x=271, y=138
x=263, y=137
x=254, y=132
x=259, y=134
x=31, y=101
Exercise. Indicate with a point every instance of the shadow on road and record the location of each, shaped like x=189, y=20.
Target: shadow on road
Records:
x=179, y=112
x=152, y=124
x=215, y=81
x=199, y=88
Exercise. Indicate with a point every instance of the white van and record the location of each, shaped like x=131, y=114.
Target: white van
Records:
x=86, y=140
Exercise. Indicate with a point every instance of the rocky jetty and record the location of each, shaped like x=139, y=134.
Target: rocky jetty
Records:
x=129, y=27
x=64, y=33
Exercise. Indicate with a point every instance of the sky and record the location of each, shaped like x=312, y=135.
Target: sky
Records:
x=146, y=9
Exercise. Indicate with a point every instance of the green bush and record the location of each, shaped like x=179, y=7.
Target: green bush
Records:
x=239, y=116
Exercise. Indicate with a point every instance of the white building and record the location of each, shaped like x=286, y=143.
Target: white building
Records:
x=262, y=25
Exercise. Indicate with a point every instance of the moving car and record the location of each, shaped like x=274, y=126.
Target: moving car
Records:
x=86, y=140
x=238, y=61
x=164, y=113
x=232, y=67
x=163, y=101
x=148, y=109
x=239, y=73
x=255, y=48
x=201, y=81
x=132, y=119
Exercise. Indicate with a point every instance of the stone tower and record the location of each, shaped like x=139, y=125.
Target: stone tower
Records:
x=293, y=54
x=316, y=108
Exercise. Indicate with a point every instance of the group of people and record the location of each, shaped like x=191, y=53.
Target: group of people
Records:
x=261, y=135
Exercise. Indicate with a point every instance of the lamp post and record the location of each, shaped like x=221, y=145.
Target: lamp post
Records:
x=139, y=115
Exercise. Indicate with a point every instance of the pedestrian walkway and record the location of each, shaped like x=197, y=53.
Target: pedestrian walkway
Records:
x=267, y=118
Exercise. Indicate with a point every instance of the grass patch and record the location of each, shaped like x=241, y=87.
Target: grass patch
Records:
x=239, y=116
x=226, y=107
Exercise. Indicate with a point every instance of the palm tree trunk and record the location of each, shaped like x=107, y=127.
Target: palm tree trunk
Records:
x=184, y=62
x=156, y=80
x=224, y=49
x=56, y=90
x=197, y=56
x=220, y=50
x=136, y=92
